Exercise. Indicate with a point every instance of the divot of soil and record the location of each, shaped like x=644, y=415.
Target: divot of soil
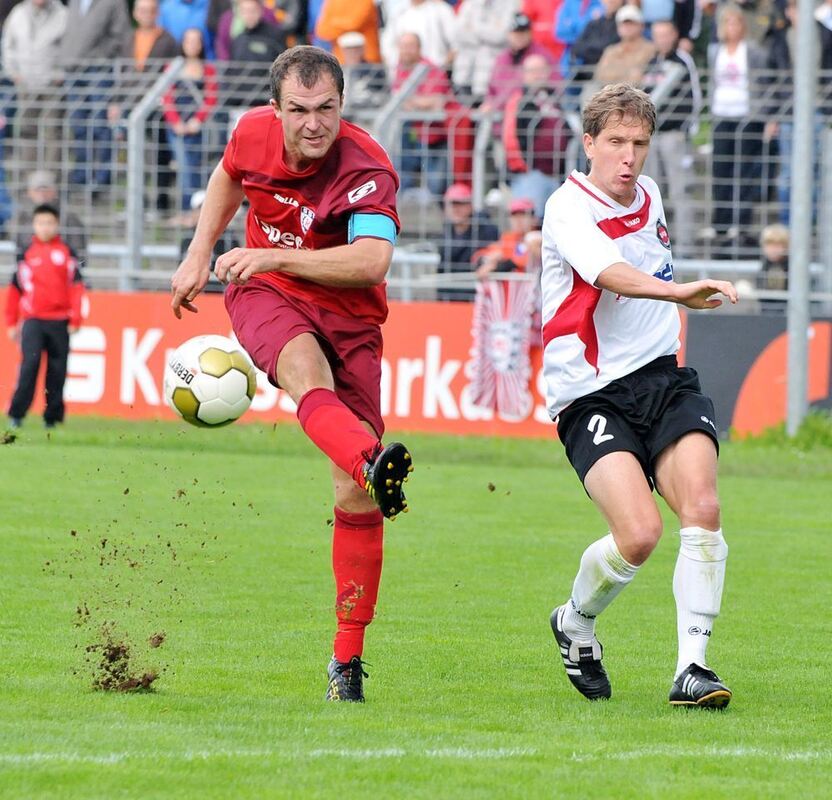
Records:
x=114, y=672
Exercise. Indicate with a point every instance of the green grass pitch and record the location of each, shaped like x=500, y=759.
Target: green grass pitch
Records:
x=220, y=541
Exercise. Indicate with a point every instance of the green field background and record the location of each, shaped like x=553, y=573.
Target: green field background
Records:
x=221, y=541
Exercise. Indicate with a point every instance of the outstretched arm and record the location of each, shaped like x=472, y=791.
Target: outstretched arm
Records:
x=362, y=263
x=626, y=280
x=222, y=199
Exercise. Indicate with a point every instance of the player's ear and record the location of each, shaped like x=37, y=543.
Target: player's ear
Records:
x=589, y=145
x=275, y=106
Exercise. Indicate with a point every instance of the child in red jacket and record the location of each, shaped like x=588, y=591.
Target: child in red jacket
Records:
x=43, y=307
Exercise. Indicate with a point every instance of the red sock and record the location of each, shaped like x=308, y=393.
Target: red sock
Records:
x=335, y=430
x=357, y=546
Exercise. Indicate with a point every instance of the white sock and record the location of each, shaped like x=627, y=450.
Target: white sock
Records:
x=697, y=587
x=602, y=575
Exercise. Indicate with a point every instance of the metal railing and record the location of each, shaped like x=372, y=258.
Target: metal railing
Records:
x=101, y=128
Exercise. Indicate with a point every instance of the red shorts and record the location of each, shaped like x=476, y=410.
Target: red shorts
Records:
x=264, y=320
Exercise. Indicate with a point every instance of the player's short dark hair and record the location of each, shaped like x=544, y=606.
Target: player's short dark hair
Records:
x=618, y=102
x=46, y=208
x=307, y=63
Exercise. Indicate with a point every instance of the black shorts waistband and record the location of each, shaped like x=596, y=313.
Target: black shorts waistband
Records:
x=658, y=365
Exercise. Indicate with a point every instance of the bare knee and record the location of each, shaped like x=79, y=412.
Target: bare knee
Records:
x=702, y=511
x=638, y=539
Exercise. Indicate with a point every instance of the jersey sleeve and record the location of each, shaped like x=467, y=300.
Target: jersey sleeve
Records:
x=230, y=156
x=371, y=193
x=579, y=241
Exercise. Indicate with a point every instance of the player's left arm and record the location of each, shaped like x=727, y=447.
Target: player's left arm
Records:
x=626, y=280
x=362, y=263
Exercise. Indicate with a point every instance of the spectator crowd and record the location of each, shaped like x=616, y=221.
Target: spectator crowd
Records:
x=72, y=73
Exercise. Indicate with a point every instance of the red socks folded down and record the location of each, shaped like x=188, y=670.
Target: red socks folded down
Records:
x=336, y=431
x=357, y=545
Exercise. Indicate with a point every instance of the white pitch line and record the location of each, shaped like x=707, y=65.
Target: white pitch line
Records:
x=448, y=753
x=706, y=752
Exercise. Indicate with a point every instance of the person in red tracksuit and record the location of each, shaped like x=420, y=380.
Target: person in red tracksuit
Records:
x=43, y=307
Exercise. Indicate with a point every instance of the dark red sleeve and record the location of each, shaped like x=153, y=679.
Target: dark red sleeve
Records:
x=210, y=94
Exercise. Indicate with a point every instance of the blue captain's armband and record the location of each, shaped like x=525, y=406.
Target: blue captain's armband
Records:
x=379, y=226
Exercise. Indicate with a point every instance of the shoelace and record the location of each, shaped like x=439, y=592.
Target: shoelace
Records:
x=348, y=667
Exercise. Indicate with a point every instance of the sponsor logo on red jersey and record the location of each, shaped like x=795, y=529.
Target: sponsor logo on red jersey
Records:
x=361, y=191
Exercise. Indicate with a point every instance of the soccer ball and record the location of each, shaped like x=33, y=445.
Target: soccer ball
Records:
x=209, y=381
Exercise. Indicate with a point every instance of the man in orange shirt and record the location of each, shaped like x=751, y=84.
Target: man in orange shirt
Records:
x=343, y=16
x=509, y=253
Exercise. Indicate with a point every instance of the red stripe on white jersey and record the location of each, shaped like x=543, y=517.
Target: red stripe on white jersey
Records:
x=575, y=315
x=615, y=227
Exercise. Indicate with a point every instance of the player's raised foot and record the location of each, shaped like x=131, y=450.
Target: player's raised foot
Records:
x=698, y=686
x=385, y=473
x=346, y=681
x=582, y=661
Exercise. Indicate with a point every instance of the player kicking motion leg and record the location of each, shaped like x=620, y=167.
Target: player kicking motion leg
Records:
x=306, y=299
x=629, y=417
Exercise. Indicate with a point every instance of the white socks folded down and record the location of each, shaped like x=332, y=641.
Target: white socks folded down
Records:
x=602, y=575
x=697, y=587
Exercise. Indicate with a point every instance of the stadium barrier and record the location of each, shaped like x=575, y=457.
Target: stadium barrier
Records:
x=117, y=362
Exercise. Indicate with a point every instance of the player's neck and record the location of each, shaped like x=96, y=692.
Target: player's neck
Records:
x=622, y=200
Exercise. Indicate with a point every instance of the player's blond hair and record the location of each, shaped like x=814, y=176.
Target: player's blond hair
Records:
x=615, y=103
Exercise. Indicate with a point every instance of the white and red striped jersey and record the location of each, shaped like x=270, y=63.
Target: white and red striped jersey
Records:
x=591, y=336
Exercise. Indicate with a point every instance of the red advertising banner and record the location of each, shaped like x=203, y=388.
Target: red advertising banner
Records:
x=117, y=361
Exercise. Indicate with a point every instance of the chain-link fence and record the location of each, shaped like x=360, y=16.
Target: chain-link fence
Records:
x=126, y=154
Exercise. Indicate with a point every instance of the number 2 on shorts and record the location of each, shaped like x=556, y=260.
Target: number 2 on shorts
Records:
x=597, y=425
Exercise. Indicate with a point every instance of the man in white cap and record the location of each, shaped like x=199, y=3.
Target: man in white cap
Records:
x=365, y=83
x=626, y=61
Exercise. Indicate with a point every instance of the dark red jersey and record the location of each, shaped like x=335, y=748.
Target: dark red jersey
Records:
x=46, y=284
x=311, y=210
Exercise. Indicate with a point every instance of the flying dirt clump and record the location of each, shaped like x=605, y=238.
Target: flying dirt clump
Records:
x=114, y=672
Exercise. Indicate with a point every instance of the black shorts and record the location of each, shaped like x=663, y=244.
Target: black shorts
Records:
x=641, y=413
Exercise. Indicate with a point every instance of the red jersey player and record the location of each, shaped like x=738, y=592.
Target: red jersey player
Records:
x=306, y=297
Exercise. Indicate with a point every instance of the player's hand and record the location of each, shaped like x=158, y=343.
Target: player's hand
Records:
x=187, y=282
x=700, y=294
x=238, y=265
x=13, y=332
x=73, y=329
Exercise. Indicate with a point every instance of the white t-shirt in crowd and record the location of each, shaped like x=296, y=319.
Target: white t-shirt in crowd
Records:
x=591, y=336
x=731, y=97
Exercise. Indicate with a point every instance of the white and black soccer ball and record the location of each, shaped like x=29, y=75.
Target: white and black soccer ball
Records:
x=209, y=381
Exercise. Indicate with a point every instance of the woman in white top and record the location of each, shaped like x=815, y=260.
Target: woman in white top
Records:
x=736, y=107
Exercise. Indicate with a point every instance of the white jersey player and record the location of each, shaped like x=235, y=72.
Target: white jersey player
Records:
x=629, y=417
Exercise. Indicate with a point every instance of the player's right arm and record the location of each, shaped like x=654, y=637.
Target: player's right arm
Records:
x=222, y=199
